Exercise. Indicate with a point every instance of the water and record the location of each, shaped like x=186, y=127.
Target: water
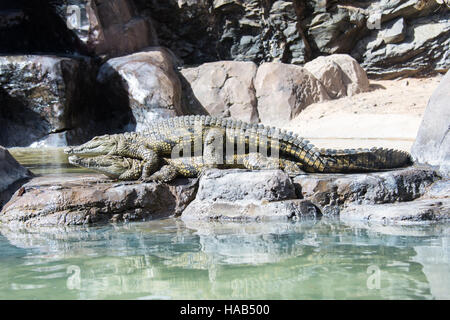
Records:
x=43, y=161
x=167, y=259
x=170, y=259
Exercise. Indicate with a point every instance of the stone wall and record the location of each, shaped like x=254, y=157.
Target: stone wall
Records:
x=71, y=69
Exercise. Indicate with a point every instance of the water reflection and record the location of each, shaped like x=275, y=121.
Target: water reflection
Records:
x=45, y=160
x=168, y=259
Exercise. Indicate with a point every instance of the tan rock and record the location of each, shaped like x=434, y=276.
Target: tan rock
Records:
x=150, y=82
x=284, y=90
x=223, y=88
x=340, y=74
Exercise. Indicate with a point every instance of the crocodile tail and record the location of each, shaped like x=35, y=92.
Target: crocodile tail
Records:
x=363, y=160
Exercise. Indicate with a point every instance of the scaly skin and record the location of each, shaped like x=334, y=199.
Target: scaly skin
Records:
x=209, y=135
x=121, y=168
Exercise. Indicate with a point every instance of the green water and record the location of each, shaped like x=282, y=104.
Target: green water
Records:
x=170, y=259
x=42, y=161
x=166, y=259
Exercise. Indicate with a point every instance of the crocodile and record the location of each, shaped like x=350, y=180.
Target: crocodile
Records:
x=123, y=168
x=207, y=137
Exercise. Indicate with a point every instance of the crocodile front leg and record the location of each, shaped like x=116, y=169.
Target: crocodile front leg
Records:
x=149, y=156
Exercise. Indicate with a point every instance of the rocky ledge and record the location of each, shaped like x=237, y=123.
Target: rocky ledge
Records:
x=406, y=195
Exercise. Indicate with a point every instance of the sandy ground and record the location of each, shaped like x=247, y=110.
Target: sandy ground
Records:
x=387, y=116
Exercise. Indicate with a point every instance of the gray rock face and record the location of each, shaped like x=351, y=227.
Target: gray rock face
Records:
x=432, y=145
x=67, y=200
x=12, y=176
x=396, y=33
x=250, y=30
x=41, y=96
x=389, y=38
x=147, y=81
x=247, y=195
x=332, y=193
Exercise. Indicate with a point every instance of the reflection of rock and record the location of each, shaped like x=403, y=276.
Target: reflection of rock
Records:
x=247, y=195
x=12, y=175
x=224, y=89
x=65, y=200
x=324, y=259
x=432, y=144
x=149, y=82
x=332, y=192
x=435, y=262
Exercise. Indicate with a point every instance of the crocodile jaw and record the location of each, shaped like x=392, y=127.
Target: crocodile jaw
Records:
x=112, y=167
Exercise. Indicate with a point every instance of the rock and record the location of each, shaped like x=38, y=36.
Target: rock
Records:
x=333, y=192
x=223, y=88
x=247, y=195
x=251, y=30
x=85, y=199
x=438, y=190
x=337, y=29
x=340, y=74
x=146, y=80
x=12, y=176
x=35, y=27
x=396, y=33
x=44, y=96
x=283, y=91
x=423, y=49
x=432, y=145
x=405, y=212
x=97, y=25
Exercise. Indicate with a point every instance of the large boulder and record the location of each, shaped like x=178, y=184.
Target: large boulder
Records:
x=83, y=199
x=146, y=81
x=432, y=145
x=12, y=176
x=284, y=90
x=340, y=74
x=244, y=195
x=223, y=88
x=44, y=98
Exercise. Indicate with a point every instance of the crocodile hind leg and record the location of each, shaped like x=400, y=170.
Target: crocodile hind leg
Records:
x=188, y=167
x=257, y=161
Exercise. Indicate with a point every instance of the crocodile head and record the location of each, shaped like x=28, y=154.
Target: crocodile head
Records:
x=100, y=145
x=111, y=166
